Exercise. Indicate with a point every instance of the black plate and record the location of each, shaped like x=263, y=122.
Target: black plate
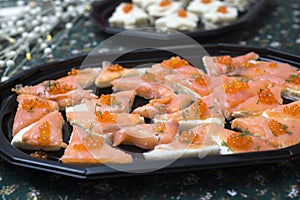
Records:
x=58, y=69
x=102, y=10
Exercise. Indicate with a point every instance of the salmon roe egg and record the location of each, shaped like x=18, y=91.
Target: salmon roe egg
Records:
x=249, y=64
x=30, y=104
x=54, y=87
x=159, y=127
x=164, y=3
x=277, y=128
x=90, y=142
x=115, y=68
x=182, y=13
x=294, y=78
x=235, y=86
x=105, y=117
x=225, y=60
x=106, y=99
x=189, y=137
x=206, y=1
x=292, y=109
x=73, y=72
x=127, y=7
x=174, y=62
x=199, y=79
x=239, y=141
x=44, y=137
x=202, y=107
x=265, y=96
x=273, y=64
x=222, y=9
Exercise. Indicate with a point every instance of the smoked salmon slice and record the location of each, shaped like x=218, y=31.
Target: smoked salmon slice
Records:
x=65, y=94
x=197, y=142
x=119, y=102
x=92, y=149
x=102, y=123
x=234, y=91
x=265, y=99
x=200, y=111
x=30, y=109
x=278, y=132
x=45, y=134
x=241, y=142
x=147, y=136
x=225, y=64
x=80, y=77
x=112, y=72
x=289, y=111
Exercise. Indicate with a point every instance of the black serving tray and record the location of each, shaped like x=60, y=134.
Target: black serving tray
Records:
x=59, y=69
x=102, y=10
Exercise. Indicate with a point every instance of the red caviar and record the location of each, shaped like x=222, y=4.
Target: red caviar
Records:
x=249, y=64
x=106, y=99
x=273, y=64
x=54, y=87
x=174, y=62
x=182, y=13
x=189, y=137
x=239, y=141
x=165, y=3
x=105, y=117
x=44, y=137
x=294, y=78
x=235, y=86
x=225, y=60
x=159, y=127
x=222, y=9
x=90, y=142
x=73, y=72
x=277, y=128
x=115, y=68
x=127, y=7
x=30, y=104
x=202, y=108
x=265, y=96
x=199, y=79
x=292, y=109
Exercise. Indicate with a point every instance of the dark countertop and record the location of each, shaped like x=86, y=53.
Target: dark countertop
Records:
x=277, y=27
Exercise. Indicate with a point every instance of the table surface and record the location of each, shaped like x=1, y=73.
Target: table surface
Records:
x=277, y=27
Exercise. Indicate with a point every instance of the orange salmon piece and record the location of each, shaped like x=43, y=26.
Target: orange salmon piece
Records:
x=265, y=99
x=280, y=133
x=30, y=109
x=86, y=148
x=289, y=111
x=233, y=92
x=226, y=64
x=240, y=142
x=45, y=134
x=147, y=136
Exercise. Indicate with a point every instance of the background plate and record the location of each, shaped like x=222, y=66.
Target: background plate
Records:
x=102, y=10
x=59, y=69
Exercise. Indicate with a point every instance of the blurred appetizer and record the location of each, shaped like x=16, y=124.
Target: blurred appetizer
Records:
x=129, y=16
x=219, y=16
x=180, y=20
x=163, y=8
x=200, y=7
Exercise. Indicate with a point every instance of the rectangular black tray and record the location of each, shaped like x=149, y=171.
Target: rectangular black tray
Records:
x=102, y=10
x=59, y=69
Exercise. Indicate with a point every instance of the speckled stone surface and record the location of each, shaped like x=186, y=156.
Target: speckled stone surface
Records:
x=277, y=27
